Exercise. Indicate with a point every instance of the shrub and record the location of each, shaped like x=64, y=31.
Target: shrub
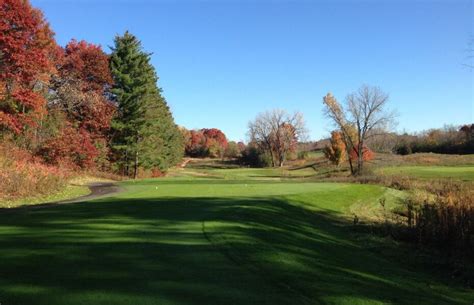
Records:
x=253, y=156
x=403, y=149
x=156, y=172
x=367, y=154
x=71, y=146
x=22, y=175
x=303, y=155
x=233, y=150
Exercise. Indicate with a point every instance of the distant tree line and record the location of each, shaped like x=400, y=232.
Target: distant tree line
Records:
x=447, y=140
x=206, y=142
x=273, y=139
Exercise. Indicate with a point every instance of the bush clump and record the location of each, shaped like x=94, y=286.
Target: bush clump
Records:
x=23, y=175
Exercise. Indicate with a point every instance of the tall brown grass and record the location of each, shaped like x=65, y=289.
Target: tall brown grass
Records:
x=436, y=213
x=443, y=216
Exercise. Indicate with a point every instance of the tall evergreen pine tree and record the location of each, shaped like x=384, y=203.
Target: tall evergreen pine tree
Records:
x=145, y=134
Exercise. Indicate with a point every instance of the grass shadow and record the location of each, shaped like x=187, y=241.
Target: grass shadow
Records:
x=198, y=251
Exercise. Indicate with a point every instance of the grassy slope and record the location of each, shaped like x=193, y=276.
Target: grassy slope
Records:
x=188, y=240
x=432, y=172
x=69, y=192
x=75, y=188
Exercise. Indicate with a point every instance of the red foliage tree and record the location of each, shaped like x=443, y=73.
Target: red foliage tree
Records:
x=80, y=88
x=27, y=49
x=210, y=142
x=72, y=147
x=196, y=144
x=82, y=81
x=86, y=62
x=216, y=142
x=367, y=154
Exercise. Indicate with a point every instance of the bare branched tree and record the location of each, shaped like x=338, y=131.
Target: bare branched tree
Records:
x=364, y=116
x=276, y=132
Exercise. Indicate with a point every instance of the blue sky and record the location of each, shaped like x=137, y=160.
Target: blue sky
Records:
x=222, y=62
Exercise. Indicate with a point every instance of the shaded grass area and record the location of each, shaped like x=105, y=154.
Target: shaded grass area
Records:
x=207, y=241
x=465, y=173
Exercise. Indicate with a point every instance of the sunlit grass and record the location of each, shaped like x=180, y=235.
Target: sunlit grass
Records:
x=432, y=172
x=244, y=239
x=68, y=192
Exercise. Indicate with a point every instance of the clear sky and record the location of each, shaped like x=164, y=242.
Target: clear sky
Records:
x=222, y=62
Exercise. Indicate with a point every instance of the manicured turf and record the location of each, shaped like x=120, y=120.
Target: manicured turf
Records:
x=188, y=240
x=430, y=172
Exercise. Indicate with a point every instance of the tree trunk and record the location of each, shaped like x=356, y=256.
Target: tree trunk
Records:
x=135, y=170
x=272, y=157
x=125, y=168
x=348, y=151
x=282, y=160
x=351, y=166
x=360, y=157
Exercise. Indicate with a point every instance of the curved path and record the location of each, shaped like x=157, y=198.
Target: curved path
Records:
x=98, y=189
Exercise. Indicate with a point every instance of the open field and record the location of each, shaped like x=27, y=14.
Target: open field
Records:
x=426, y=159
x=230, y=236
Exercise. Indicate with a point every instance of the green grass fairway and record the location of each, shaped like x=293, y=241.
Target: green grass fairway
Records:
x=432, y=172
x=187, y=240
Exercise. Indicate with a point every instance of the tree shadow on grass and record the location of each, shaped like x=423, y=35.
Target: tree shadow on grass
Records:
x=198, y=251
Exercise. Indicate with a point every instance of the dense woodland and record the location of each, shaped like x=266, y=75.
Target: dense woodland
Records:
x=77, y=106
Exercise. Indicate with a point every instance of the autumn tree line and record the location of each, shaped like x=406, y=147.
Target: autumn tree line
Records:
x=446, y=140
x=78, y=106
x=82, y=108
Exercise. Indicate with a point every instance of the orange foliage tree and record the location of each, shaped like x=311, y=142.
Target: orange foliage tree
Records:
x=336, y=150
